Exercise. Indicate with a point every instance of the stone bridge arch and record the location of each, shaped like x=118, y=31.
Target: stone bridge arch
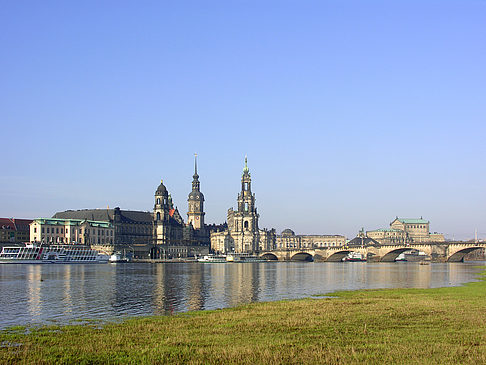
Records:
x=338, y=256
x=302, y=256
x=269, y=256
x=458, y=255
x=391, y=255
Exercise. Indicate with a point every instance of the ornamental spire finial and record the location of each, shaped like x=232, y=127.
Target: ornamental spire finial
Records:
x=195, y=164
x=246, y=170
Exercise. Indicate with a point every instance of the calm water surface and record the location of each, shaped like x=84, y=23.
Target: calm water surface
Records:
x=60, y=293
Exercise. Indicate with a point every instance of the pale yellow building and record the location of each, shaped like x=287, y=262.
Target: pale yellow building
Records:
x=289, y=240
x=406, y=230
x=69, y=231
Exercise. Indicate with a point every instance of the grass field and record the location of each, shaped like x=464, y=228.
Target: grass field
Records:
x=431, y=326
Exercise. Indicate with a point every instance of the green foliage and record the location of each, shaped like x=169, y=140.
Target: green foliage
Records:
x=445, y=325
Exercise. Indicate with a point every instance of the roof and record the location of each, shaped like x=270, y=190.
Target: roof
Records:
x=288, y=232
x=106, y=215
x=72, y=222
x=386, y=230
x=15, y=224
x=412, y=221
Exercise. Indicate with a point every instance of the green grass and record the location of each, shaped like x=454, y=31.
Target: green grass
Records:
x=423, y=326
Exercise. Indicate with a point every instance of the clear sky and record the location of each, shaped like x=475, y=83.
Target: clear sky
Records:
x=350, y=112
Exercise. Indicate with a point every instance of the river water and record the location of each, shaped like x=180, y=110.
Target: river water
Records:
x=61, y=293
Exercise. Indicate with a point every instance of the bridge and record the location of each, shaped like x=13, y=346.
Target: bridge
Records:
x=438, y=252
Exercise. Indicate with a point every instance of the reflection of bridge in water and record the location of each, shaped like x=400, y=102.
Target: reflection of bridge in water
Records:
x=439, y=252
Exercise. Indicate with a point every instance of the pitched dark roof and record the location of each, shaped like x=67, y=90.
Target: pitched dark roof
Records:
x=15, y=224
x=107, y=215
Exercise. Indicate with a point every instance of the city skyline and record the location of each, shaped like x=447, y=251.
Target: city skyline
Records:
x=350, y=113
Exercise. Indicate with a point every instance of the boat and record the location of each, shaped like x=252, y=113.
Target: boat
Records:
x=118, y=257
x=243, y=257
x=38, y=253
x=212, y=258
x=415, y=256
x=354, y=257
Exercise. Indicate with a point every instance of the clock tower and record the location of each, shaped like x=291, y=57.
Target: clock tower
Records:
x=195, y=214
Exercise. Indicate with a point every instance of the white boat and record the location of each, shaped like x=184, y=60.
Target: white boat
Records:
x=354, y=257
x=117, y=257
x=33, y=253
x=213, y=258
x=243, y=257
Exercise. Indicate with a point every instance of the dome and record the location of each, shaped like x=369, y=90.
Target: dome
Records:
x=161, y=190
x=288, y=232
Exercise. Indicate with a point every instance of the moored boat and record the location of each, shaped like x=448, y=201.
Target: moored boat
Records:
x=33, y=253
x=354, y=257
x=212, y=258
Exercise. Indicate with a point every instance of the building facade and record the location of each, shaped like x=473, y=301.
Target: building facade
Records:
x=71, y=231
x=405, y=230
x=14, y=230
x=243, y=234
x=289, y=240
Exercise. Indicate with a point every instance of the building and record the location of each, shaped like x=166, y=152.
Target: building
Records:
x=14, y=230
x=133, y=230
x=243, y=234
x=406, y=230
x=172, y=237
x=72, y=231
x=289, y=240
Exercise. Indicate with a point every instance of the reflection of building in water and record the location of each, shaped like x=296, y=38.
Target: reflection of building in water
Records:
x=244, y=286
x=34, y=276
x=195, y=300
x=67, y=298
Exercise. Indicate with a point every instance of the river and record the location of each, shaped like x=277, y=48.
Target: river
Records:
x=62, y=293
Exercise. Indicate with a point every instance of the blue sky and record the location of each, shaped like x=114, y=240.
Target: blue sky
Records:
x=350, y=112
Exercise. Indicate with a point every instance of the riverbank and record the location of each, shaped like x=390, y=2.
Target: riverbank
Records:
x=444, y=325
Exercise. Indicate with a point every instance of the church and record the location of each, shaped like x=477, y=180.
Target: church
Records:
x=243, y=234
x=172, y=237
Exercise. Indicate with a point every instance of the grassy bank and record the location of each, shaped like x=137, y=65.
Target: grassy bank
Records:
x=446, y=325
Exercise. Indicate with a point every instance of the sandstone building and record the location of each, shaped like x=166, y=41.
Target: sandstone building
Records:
x=14, y=230
x=69, y=231
x=289, y=240
x=405, y=230
x=243, y=234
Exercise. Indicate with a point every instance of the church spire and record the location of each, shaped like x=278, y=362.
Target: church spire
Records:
x=246, y=170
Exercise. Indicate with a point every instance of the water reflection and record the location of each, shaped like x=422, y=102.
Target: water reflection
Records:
x=45, y=293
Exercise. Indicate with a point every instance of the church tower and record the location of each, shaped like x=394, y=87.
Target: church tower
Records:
x=195, y=214
x=244, y=221
x=162, y=215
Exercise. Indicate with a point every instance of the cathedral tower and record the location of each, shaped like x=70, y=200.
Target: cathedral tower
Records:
x=195, y=214
x=162, y=215
x=243, y=223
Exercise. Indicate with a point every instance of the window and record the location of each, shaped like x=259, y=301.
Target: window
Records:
x=158, y=216
x=246, y=224
x=47, y=229
x=57, y=230
x=43, y=229
x=35, y=230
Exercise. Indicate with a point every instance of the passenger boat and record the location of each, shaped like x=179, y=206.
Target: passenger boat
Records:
x=118, y=257
x=243, y=257
x=33, y=253
x=355, y=257
x=212, y=258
